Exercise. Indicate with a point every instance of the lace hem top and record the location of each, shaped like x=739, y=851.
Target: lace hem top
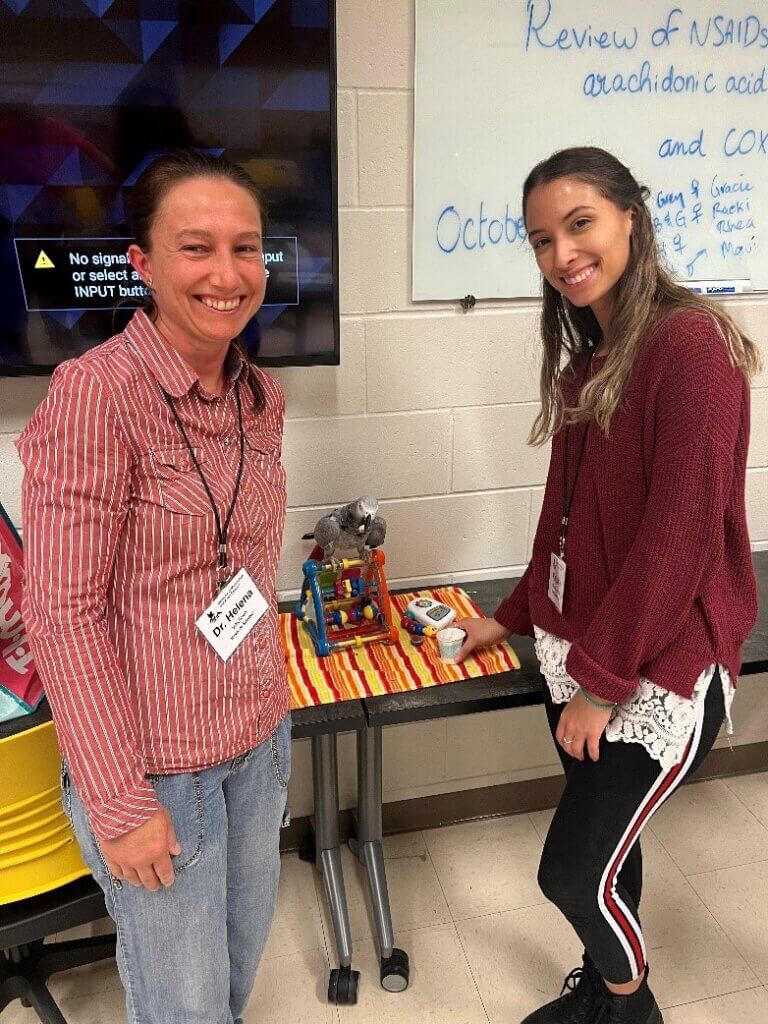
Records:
x=660, y=721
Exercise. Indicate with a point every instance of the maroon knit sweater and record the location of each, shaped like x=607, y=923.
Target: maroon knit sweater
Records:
x=660, y=581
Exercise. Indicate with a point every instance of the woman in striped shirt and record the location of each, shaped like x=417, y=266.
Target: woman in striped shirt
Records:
x=154, y=497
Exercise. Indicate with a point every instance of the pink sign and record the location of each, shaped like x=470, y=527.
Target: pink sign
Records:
x=20, y=688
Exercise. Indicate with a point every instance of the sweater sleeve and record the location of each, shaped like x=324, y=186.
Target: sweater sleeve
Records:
x=513, y=612
x=697, y=413
x=74, y=504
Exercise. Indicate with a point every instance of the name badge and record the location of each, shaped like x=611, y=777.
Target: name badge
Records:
x=556, y=592
x=232, y=615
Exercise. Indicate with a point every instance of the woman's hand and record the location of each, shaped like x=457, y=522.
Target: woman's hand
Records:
x=581, y=726
x=143, y=855
x=480, y=633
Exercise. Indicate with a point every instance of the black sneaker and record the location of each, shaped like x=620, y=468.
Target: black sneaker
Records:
x=581, y=998
x=584, y=999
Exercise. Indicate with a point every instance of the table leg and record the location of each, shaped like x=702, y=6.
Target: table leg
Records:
x=368, y=850
x=342, y=985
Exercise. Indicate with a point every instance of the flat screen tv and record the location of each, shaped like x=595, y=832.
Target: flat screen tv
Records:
x=91, y=90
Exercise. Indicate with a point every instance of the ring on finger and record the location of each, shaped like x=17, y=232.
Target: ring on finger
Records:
x=567, y=742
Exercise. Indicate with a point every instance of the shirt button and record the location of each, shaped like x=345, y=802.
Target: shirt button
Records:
x=262, y=645
x=226, y=441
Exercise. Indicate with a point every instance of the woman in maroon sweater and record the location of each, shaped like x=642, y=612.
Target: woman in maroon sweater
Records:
x=640, y=591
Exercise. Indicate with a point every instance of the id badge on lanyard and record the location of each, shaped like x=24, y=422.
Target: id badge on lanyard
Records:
x=557, y=565
x=556, y=591
x=232, y=615
x=239, y=604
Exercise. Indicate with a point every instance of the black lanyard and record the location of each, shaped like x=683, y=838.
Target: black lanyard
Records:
x=568, y=494
x=221, y=531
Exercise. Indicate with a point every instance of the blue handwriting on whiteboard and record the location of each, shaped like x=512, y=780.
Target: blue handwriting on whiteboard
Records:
x=453, y=230
x=720, y=31
x=690, y=267
x=727, y=225
x=747, y=85
x=662, y=36
x=664, y=199
x=677, y=147
x=722, y=206
x=738, y=248
x=572, y=37
x=749, y=141
x=645, y=80
x=729, y=188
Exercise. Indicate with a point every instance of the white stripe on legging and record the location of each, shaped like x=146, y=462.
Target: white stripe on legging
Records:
x=642, y=815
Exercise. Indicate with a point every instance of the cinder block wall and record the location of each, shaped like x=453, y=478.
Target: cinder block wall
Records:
x=429, y=411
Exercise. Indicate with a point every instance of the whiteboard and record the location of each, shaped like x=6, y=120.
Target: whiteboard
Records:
x=678, y=92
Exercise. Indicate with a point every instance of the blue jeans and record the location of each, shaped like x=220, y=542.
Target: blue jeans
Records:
x=189, y=954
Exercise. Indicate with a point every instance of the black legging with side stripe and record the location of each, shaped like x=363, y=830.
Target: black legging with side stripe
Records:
x=591, y=867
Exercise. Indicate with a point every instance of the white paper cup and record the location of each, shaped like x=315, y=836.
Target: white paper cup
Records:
x=449, y=641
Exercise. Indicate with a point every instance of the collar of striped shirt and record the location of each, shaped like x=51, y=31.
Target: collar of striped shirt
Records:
x=172, y=372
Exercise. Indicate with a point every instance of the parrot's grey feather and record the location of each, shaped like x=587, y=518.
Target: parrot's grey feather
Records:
x=351, y=526
x=327, y=533
x=377, y=533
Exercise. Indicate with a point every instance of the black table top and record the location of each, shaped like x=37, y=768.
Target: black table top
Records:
x=342, y=717
x=755, y=651
x=515, y=689
x=491, y=693
x=487, y=693
x=509, y=689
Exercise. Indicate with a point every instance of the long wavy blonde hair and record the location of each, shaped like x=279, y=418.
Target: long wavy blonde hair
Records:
x=646, y=294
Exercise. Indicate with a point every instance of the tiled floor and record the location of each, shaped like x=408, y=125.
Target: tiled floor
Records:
x=484, y=944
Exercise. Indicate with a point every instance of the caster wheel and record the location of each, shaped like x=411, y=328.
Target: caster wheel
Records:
x=395, y=971
x=342, y=986
x=307, y=850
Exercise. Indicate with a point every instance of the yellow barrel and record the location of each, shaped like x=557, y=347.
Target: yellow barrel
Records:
x=38, y=849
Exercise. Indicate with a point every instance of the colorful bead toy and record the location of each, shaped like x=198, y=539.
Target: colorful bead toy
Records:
x=345, y=602
x=410, y=625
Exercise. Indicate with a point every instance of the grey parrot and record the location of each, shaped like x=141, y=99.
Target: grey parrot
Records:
x=356, y=525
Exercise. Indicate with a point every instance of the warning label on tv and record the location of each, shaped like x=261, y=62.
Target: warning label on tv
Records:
x=77, y=273
x=95, y=273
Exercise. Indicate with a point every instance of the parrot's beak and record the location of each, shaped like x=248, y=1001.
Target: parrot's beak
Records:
x=367, y=524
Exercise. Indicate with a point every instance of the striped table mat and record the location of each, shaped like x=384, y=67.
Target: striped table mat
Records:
x=384, y=668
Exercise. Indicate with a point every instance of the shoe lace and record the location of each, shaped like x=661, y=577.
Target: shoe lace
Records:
x=583, y=1002
x=578, y=994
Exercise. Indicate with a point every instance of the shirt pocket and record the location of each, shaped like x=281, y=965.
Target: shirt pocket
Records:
x=168, y=477
x=267, y=475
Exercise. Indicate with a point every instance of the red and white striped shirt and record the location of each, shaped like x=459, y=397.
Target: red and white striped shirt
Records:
x=121, y=552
